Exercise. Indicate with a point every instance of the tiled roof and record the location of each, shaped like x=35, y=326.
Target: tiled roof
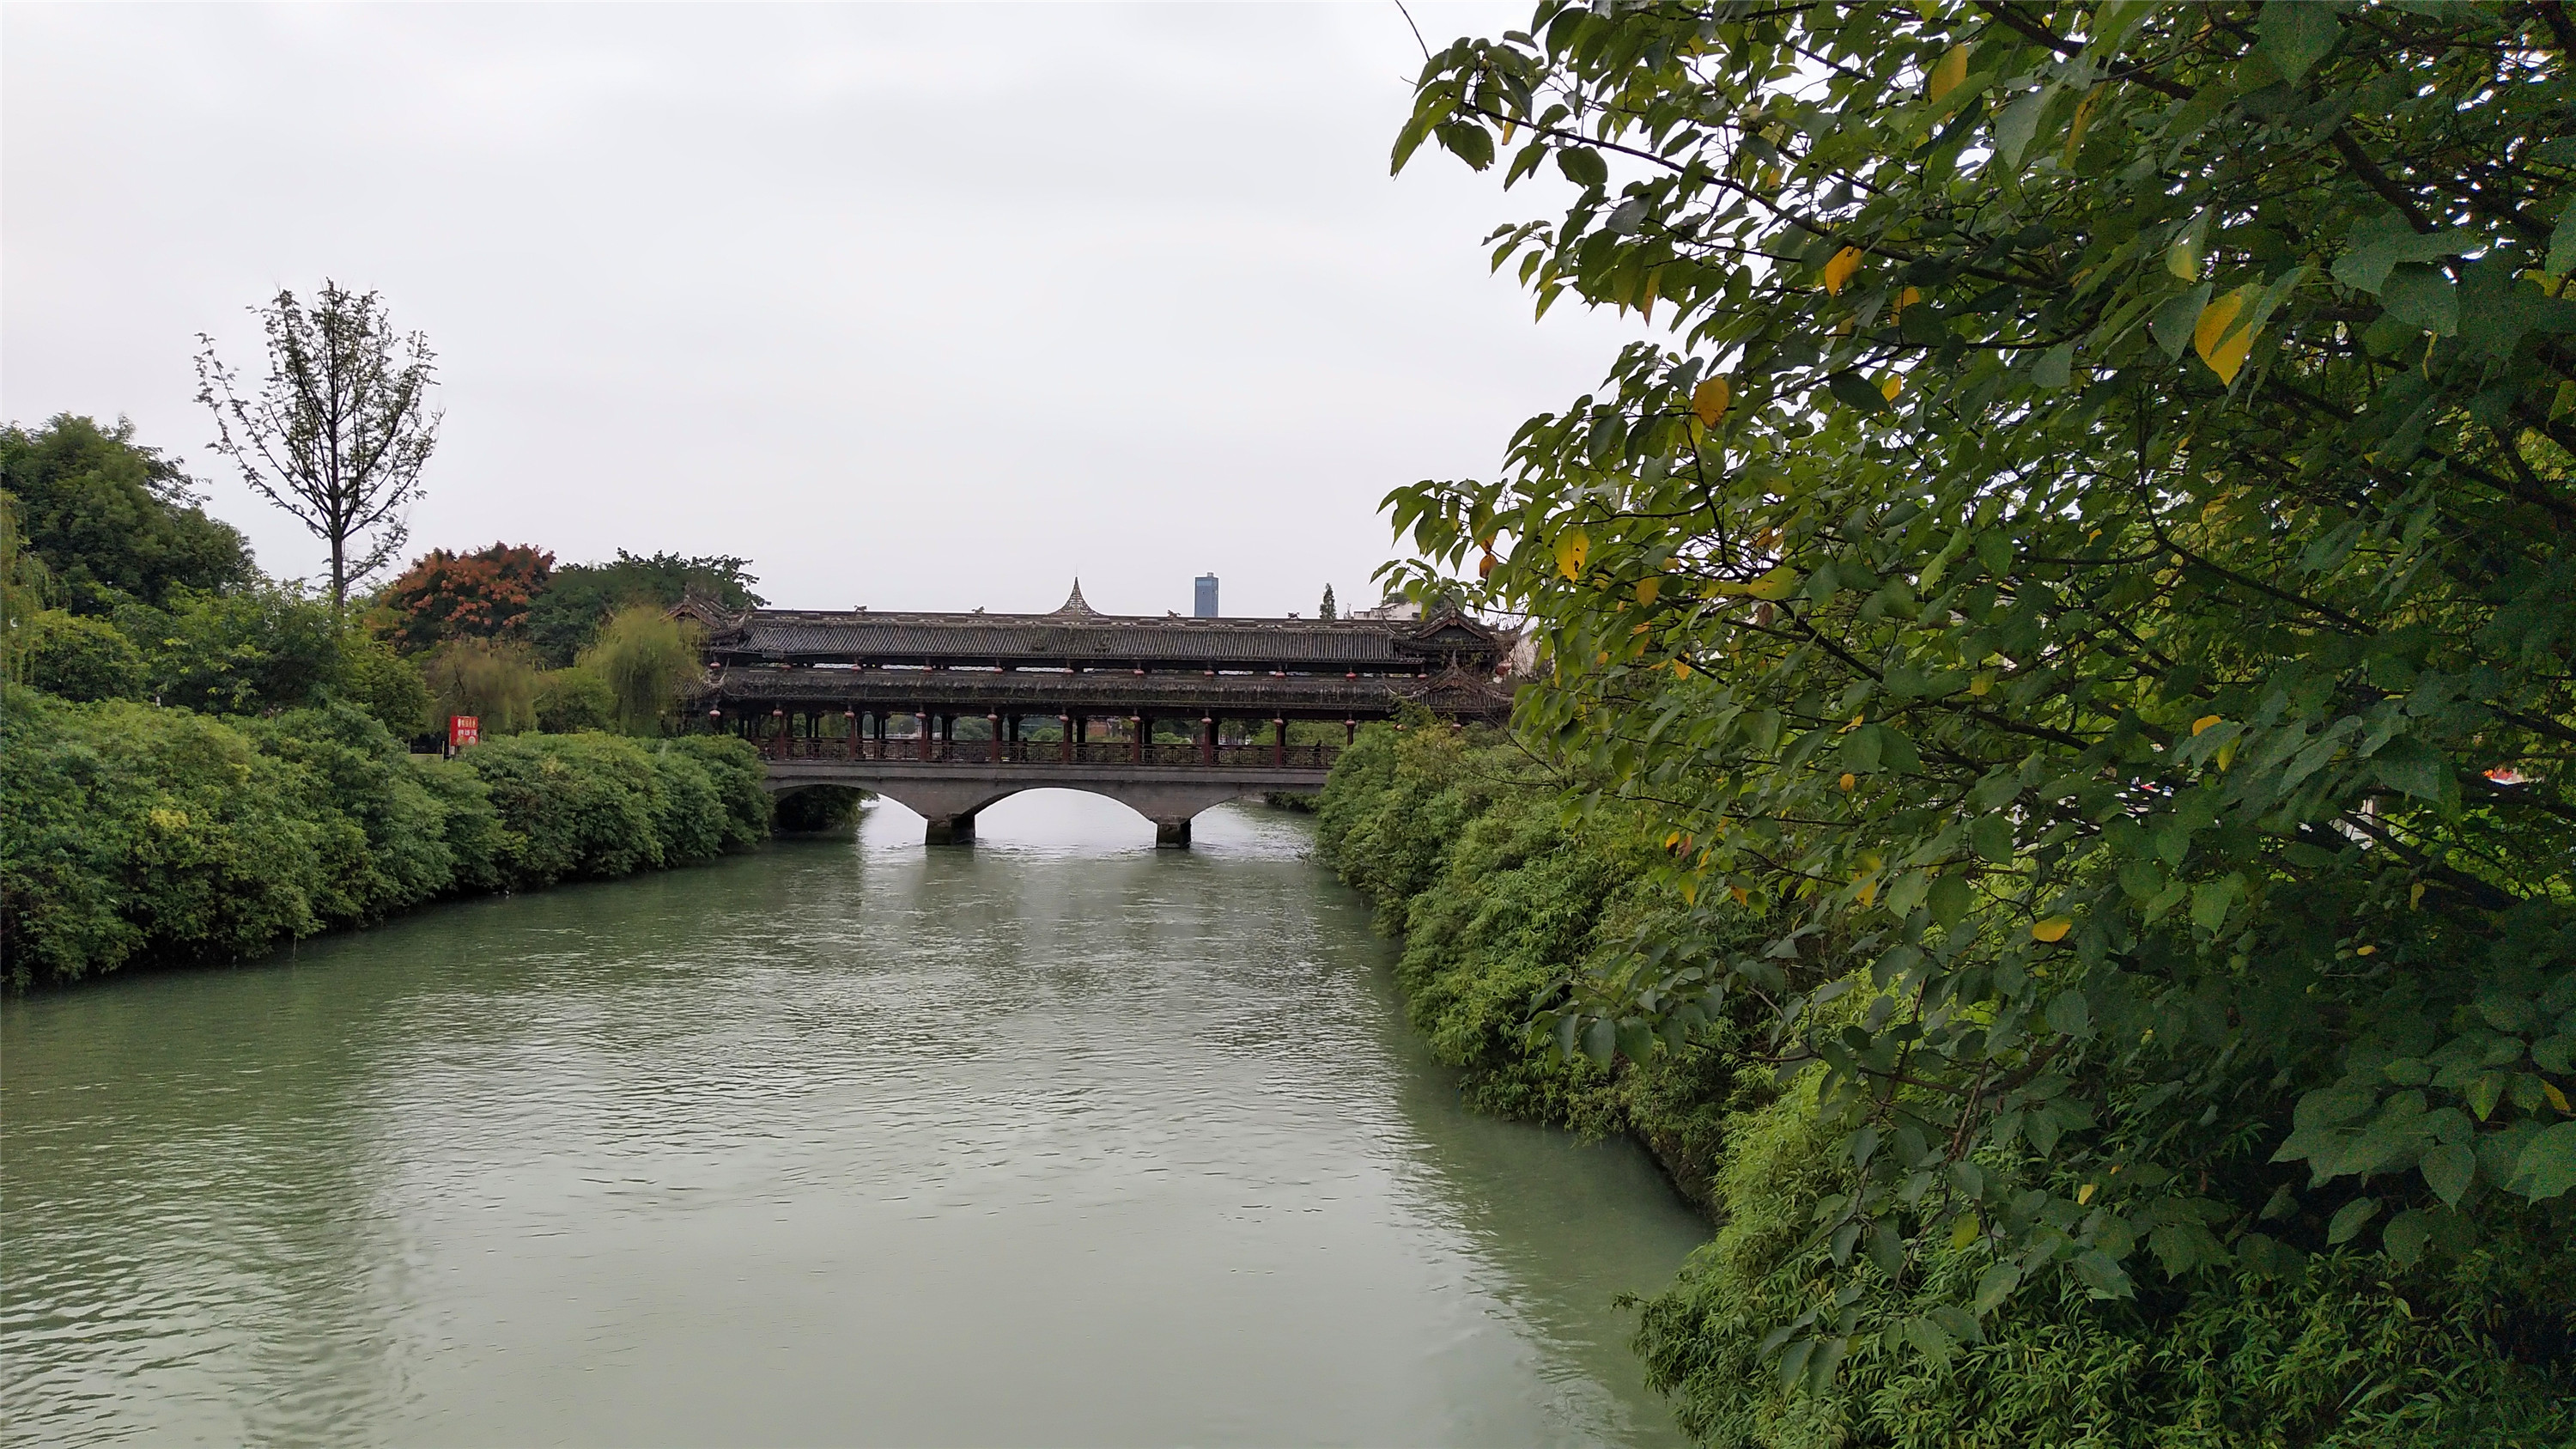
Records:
x=1076, y=633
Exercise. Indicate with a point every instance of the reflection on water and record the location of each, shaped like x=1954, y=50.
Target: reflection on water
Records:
x=1055, y=1138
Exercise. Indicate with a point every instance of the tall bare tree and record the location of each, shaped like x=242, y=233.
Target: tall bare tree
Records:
x=336, y=434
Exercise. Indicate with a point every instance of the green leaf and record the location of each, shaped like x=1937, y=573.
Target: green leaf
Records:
x=1856, y=392
x=2296, y=34
x=2562, y=241
x=2423, y=298
x=2547, y=1166
x=2448, y=1170
x=1601, y=1041
x=2350, y=1219
x=1950, y=899
x=1992, y=835
x=2017, y=124
x=2405, y=1236
x=2069, y=1013
x=2410, y=766
x=2380, y=244
x=1930, y=1340
x=1995, y=1285
x=2173, y=322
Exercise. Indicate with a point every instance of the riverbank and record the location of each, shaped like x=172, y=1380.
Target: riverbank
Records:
x=132, y=834
x=1498, y=900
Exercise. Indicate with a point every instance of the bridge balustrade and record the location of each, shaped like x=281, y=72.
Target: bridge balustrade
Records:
x=1049, y=752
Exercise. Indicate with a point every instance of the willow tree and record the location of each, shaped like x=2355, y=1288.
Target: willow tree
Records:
x=338, y=431
x=2087, y=568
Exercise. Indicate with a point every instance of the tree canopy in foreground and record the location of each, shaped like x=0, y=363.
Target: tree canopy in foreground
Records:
x=2089, y=569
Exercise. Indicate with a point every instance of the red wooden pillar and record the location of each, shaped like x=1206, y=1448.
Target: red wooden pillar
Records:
x=1143, y=727
x=849, y=734
x=1350, y=732
x=929, y=732
x=993, y=747
x=1207, y=740
x=1067, y=721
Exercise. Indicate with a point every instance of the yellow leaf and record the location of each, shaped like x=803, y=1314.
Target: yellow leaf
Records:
x=1571, y=546
x=1839, y=269
x=1742, y=896
x=1773, y=585
x=2084, y=1194
x=1850, y=780
x=2227, y=754
x=1681, y=669
x=1672, y=840
x=1690, y=893
x=1950, y=72
x=2052, y=929
x=2202, y=723
x=2083, y=113
x=1647, y=589
x=1979, y=685
x=1485, y=565
x=1869, y=893
x=1709, y=399
x=2367, y=951
x=2222, y=349
x=2557, y=1098
x=1905, y=299
x=1895, y=384
x=2415, y=897
x=1855, y=724
x=1965, y=1230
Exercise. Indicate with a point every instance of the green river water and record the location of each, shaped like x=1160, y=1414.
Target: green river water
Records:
x=1051, y=1139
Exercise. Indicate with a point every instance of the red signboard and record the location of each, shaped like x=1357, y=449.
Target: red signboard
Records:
x=463, y=730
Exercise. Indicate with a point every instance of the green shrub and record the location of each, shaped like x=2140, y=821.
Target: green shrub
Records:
x=81, y=658
x=570, y=701
x=470, y=826
x=734, y=768
x=384, y=684
x=130, y=832
x=2343, y=1353
x=571, y=806
x=247, y=651
x=1500, y=900
x=383, y=831
x=692, y=820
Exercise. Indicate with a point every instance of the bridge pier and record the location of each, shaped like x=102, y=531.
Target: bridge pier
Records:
x=1172, y=834
x=953, y=830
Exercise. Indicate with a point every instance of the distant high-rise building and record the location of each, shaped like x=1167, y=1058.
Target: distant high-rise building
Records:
x=1204, y=607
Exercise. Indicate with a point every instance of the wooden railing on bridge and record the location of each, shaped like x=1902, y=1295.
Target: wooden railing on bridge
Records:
x=1050, y=752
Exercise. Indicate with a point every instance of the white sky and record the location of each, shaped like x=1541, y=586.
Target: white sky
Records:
x=915, y=307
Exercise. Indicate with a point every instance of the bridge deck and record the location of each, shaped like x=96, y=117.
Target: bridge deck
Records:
x=948, y=792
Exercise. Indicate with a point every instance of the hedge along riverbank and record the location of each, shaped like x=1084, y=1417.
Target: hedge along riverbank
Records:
x=1467, y=856
x=131, y=834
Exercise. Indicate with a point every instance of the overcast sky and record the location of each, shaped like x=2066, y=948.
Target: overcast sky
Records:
x=915, y=307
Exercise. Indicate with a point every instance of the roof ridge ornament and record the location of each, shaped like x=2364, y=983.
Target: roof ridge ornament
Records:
x=1075, y=607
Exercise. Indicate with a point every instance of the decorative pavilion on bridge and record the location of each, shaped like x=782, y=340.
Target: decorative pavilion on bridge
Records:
x=813, y=684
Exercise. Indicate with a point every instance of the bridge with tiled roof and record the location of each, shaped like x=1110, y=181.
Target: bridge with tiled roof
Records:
x=947, y=713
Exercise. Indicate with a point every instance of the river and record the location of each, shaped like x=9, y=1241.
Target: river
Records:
x=1051, y=1139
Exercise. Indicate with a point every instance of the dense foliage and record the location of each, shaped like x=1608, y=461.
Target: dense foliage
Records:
x=2091, y=556
x=1465, y=849
x=580, y=597
x=110, y=519
x=133, y=833
x=480, y=595
x=1496, y=896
